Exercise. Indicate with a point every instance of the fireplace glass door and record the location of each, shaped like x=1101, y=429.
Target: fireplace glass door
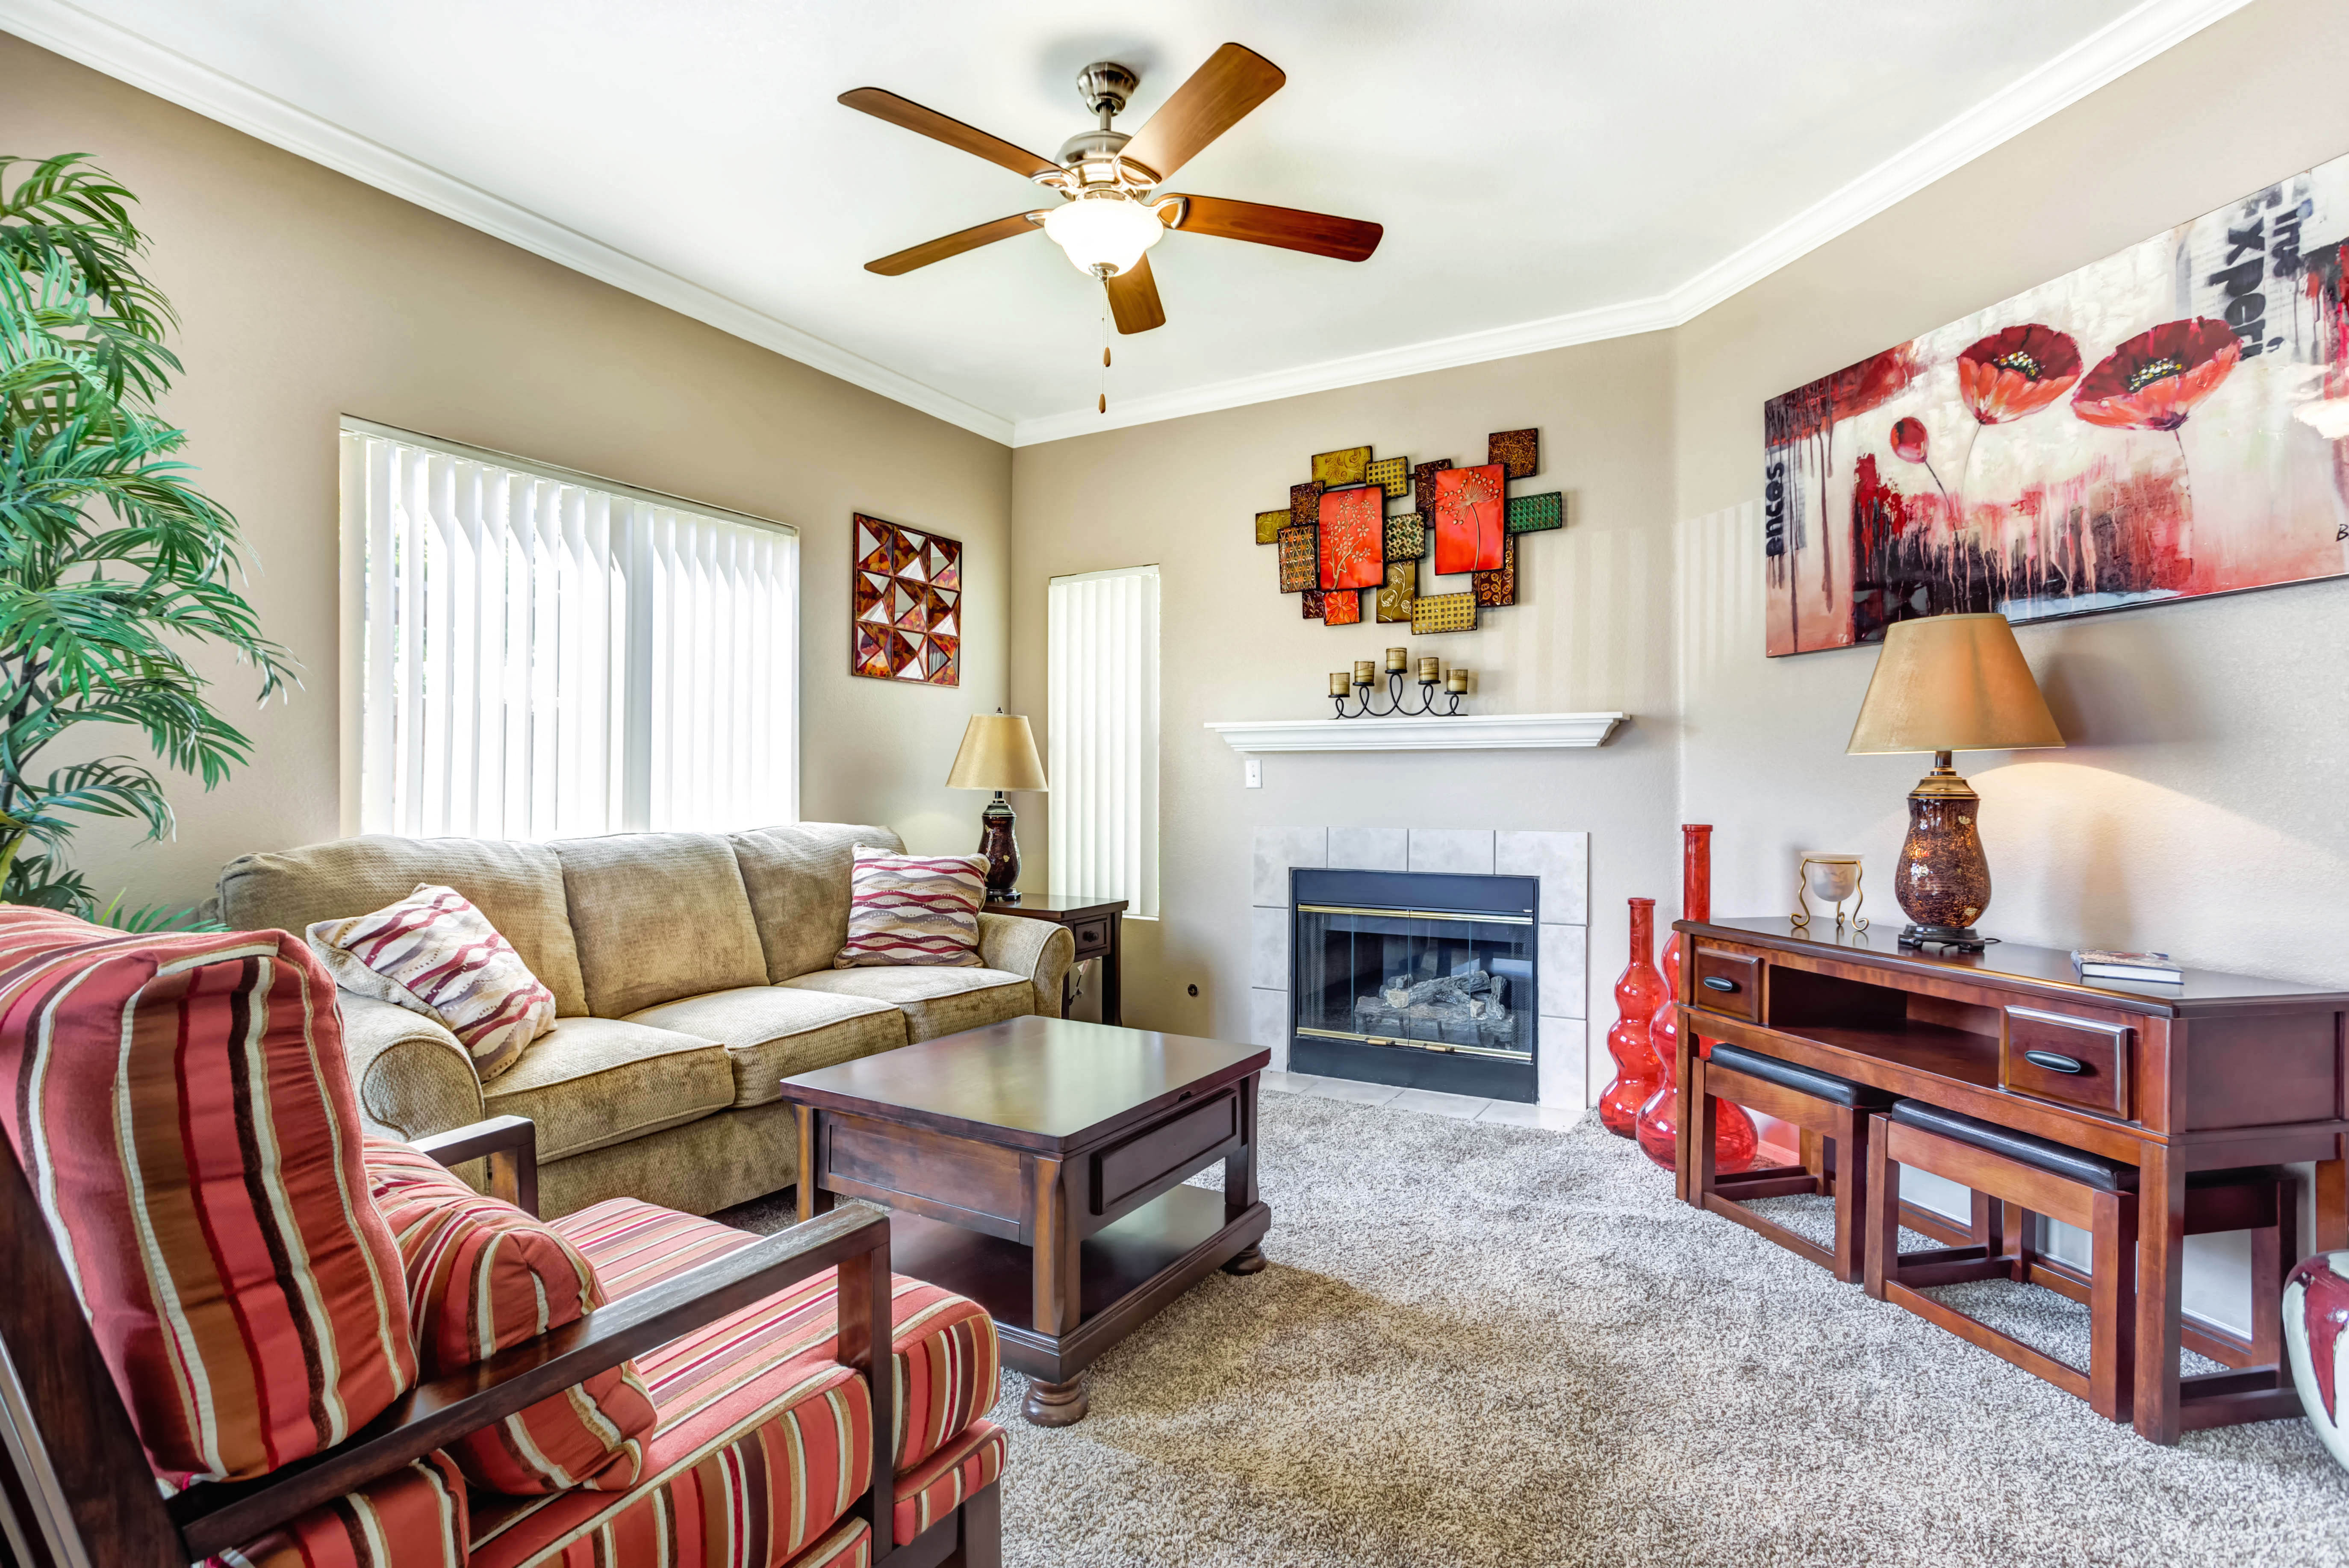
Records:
x=1427, y=978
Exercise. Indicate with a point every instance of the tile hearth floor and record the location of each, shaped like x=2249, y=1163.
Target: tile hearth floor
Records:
x=1427, y=1102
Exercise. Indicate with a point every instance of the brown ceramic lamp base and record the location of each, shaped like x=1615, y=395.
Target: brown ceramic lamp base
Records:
x=1000, y=843
x=1943, y=880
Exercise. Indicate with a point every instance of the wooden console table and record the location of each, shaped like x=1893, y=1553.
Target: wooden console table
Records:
x=2223, y=1070
x=1099, y=925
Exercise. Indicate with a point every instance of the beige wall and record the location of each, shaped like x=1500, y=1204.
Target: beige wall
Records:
x=1594, y=634
x=2198, y=807
x=307, y=296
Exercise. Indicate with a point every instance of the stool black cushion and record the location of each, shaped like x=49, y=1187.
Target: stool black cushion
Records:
x=2077, y=1165
x=1802, y=1080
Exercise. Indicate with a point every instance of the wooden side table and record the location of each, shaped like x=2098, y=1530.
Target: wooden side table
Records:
x=1099, y=925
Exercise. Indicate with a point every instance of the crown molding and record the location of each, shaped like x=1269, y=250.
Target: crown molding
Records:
x=103, y=45
x=2106, y=54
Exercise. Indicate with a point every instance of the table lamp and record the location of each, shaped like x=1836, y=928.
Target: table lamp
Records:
x=1945, y=683
x=999, y=753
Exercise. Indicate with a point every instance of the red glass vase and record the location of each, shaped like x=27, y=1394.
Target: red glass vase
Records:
x=1657, y=1126
x=1638, y=991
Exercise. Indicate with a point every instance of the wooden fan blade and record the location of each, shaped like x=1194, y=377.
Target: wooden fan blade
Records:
x=1345, y=239
x=1219, y=93
x=956, y=243
x=1134, y=299
x=882, y=104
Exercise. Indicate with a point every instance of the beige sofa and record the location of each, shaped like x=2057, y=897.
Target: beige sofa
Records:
x=691, y=972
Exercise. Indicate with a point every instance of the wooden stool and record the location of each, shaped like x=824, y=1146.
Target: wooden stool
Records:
x=2028, y=1176
x=1834, y=1108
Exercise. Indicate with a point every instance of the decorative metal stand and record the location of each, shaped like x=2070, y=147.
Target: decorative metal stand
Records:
x=1831, y=879
x=1363, y=680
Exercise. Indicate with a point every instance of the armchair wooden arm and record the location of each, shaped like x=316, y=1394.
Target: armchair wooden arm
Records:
x=82, y=1466
x=510, y=1143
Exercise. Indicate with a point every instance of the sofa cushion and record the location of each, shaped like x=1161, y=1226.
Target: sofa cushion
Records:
x=434, y=954
x=415, y=1517
x=594, y=1081
x=657, y=916
x=934, y=1001
x=913, y=910
x=770, y=1032
x=762, y=1432
x=180, y=1106
x=484, y=1276
x=798, y=878
x=517, y=887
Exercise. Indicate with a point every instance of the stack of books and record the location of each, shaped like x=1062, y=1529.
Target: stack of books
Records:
x=2102, y=963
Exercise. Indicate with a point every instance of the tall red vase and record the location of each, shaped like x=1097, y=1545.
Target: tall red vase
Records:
x=1657, y=1126
x=1639, y=990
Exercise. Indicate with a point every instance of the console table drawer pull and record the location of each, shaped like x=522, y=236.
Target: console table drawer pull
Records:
x=1717, y=983
x=2055, y=1063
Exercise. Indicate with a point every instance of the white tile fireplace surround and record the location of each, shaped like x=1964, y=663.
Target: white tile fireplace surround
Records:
x=1562, y=861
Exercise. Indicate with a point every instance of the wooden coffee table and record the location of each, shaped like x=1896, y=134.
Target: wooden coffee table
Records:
x=1036, y=1167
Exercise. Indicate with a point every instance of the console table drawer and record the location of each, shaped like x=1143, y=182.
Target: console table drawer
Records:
x=1728, y=983
x=1091, y=937
x=2080, y=1062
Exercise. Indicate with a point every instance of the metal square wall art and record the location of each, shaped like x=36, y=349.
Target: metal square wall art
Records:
x=1341, y=608
x=1392, y=475
x=1536, y=514
x=1305, y=503
x=1335, y=468
x=1423, y=484
x=1314, y=602
x=1352, y=549
x=1517, y=451
x=1443, y=612
x=1499, y=587
x=1468, y=514
x=1268, y=525
x=1396, y=594
x=1299, y=567
x=2170, y=422
x=1406, y=537
x=904, y=604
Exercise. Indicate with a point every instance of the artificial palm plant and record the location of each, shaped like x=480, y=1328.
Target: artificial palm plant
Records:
x=112, y=564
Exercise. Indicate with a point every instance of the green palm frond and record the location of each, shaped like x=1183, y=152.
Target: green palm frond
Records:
x=113, y=564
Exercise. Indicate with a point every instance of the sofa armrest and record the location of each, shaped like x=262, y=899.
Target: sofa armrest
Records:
x=1036, y=948
x=412, y=1076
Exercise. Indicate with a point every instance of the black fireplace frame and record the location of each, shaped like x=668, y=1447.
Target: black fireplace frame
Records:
x=1412, y=1065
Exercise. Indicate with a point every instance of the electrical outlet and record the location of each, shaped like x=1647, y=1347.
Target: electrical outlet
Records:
x=1253, y=771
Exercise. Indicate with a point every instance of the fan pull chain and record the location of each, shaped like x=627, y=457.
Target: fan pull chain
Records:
x=1104, y=325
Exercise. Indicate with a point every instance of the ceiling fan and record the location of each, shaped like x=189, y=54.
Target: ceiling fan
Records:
x=1110, y=212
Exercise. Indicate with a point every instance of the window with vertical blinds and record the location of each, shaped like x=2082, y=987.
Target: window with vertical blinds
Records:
x=1103, y=671
x=545, y=655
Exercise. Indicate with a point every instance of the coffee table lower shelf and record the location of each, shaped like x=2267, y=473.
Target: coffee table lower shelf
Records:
x=1128, y=1272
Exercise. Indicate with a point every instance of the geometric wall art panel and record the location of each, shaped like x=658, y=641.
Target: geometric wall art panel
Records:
x=1392, y=475
x=1342, y=607
x=1443, y=612
x=1517, y=451
x=2168, y=422
x=1499, y=587
x=1395, y=594
x=1406, y=537
x=1336, y=469
x=1298, y=566
x=1268, y=525
x=904, y=590
x=1535, y=513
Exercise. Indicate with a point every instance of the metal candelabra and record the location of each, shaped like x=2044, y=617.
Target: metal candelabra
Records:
x=1351, y=695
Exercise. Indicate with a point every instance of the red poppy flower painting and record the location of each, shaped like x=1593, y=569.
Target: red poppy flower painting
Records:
x=1469, y=508
x=2016, y=372
x=2152, y=381
x=1353, y=538
x=2150, y=426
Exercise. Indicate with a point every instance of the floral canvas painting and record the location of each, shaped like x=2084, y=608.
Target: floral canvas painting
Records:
x=1352, y=538
x=2168, y=422
x=1469, y=508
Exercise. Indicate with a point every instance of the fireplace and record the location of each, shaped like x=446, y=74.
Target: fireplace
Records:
x=1427, y=980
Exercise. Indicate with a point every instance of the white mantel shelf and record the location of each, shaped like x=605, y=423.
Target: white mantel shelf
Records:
x=1468, y=732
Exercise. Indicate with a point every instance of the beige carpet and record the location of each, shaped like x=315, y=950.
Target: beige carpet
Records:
x=1483, y=1344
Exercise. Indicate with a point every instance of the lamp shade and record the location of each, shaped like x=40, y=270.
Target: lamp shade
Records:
x=1952, y=682
x=999, y=752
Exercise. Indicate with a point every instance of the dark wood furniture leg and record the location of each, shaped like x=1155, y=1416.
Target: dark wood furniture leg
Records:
x=1239, y=1180
x=2162, y=1256
x=814, y=1198
x=1058, y=1288
x=1113, y=973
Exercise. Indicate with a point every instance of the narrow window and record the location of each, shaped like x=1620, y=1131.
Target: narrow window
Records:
x=1103, y=659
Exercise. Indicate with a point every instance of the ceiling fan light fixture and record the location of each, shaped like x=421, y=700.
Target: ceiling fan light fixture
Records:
x=1105, y=229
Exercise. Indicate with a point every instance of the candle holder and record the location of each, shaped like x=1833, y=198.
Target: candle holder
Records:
x=1352, y=695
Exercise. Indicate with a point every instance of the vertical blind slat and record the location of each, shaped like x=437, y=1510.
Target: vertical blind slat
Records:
x=540, y=658
x=1102, y=692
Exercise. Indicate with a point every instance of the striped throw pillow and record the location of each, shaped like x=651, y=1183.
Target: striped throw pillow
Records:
x=913, y=909
x=484, y=1276
x=433, y=952
x=181, y=1108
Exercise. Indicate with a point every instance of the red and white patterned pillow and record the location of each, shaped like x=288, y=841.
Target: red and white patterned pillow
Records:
x=433, y=952
x=484, y=1276
x=914, y=908
x=182, y=1107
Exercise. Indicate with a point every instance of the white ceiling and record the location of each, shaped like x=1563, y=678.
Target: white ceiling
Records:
x=1548, y=170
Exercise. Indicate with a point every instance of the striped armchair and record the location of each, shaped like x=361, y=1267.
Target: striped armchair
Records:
x=239, y=1331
